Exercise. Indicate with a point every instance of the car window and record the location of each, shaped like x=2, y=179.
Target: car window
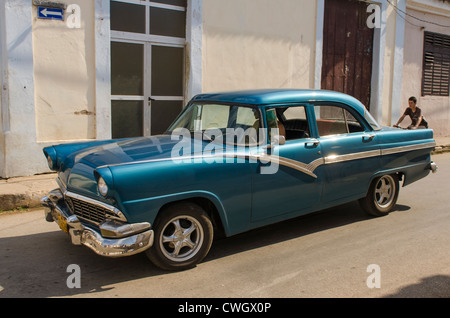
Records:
x=228, y=123
x=213, y=116
x=291, y=121
x=295, y=122
x=334, y=120
x=295, y=112
x=246, y=118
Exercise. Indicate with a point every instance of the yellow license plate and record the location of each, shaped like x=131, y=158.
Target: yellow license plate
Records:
x=62, y=223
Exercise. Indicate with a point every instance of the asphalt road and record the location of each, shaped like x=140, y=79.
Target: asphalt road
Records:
x=339, y=252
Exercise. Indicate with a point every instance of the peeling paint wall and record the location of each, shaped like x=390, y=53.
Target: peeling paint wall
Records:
x=64, y=72
x=18, y=112
x=48, y=83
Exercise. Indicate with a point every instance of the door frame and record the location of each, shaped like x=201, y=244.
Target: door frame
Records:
x=103, y=38
x=303, y=151
x=379, y=45
x=148, y=97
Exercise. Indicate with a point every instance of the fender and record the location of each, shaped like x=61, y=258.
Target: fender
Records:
x=57, y=154
x=154, y=205
x=410, y=173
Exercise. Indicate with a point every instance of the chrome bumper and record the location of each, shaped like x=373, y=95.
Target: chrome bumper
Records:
x=433, y=166
x=115, y=239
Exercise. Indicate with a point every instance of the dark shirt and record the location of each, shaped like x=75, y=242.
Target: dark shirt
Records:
x=415, y=116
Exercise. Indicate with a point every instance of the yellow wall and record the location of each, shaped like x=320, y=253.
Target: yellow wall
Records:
x=258, y=44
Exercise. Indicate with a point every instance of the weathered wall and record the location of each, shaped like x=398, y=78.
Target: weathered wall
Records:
x=258, y=44
x=18, y=114
x=64, y=73
x=436, y=109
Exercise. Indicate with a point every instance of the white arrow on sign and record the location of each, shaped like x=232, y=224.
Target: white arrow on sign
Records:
x=49, y=12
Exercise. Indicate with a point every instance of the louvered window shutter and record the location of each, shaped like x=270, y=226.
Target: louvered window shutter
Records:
x=436, y=64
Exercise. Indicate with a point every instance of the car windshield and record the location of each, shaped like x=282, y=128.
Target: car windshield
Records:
x=372, y=122
x=229, y=124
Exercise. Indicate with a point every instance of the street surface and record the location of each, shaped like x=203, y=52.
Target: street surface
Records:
x=340, y=252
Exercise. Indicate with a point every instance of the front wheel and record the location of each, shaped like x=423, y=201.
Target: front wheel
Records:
x=382, y=195
x=183, y=237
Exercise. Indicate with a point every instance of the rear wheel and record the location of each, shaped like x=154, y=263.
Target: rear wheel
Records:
x=382, y=195
x=183, y=236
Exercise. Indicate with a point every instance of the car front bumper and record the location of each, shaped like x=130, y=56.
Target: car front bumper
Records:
x=115, y=238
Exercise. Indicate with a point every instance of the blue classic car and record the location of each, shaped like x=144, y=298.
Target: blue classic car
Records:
x=230, y=162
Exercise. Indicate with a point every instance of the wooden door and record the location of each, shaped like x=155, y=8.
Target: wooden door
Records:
x=347, y=49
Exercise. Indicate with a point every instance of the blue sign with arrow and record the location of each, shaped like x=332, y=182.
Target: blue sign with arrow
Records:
x=50, y=13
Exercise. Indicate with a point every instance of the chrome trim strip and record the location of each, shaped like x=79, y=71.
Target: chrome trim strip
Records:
x=394, y=150
x=352, y=156
x=298, y=165
x=313, y=165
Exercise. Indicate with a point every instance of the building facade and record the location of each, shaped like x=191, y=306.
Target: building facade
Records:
x=75, y=70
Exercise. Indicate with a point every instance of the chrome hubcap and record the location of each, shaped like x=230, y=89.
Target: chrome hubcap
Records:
x=181, y=239
x=384, y=191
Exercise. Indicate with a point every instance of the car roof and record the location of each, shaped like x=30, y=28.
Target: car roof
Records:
x=263, y=97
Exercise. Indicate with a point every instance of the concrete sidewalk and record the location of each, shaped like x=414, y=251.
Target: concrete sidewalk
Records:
x=26, y=192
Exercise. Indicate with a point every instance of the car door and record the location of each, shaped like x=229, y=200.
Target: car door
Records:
x=289, y=184
x=350, y=150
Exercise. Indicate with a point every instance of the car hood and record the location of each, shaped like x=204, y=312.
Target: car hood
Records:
x=77, y=172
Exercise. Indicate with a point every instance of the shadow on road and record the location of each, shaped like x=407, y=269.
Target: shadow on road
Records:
x=36, y=265
x=293, y=228
x=437, y=286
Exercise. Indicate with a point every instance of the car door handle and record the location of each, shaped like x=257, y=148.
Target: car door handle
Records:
x=312, y=144
x=367, y=138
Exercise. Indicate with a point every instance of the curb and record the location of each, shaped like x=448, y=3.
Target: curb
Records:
x=440, y=149
x=25, y=192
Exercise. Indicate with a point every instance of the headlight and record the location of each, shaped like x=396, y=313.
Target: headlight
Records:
x=102, y=187
x=50, y=155
x=50, y=162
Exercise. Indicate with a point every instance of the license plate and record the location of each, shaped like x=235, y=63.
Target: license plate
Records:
x=62, y=223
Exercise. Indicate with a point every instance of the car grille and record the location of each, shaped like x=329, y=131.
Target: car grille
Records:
x=89, y=211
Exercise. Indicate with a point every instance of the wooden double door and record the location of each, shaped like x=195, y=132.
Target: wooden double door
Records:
x=347, y=49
